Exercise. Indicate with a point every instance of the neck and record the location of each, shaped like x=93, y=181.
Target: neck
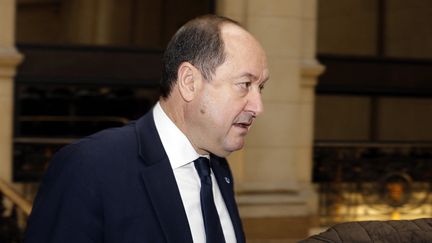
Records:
x=173, y=112
x=177, y=114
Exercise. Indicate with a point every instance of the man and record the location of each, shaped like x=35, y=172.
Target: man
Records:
x=147, y=181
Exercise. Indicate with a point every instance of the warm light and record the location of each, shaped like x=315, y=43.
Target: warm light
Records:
x=395, y=215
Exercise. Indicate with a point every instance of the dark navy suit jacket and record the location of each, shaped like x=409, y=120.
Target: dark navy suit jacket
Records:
x=117, y=186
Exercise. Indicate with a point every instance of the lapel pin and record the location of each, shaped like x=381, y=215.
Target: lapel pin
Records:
x=227, y=180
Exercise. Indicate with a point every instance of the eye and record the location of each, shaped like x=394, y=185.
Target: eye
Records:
x=261, y=87
x=244, y=85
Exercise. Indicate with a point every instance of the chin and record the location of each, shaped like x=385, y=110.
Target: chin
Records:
x=228, y=147
x=227, y=151
x=234, y=147
x=223, y=154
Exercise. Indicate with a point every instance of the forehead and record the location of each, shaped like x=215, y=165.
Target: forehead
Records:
x=243, y=52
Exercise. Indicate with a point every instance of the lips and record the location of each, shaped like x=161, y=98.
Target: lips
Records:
x=243, y=125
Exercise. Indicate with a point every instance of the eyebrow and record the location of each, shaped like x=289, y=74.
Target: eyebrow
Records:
x=254, y=77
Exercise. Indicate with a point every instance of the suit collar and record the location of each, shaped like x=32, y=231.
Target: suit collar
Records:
x=160, y=183
x=150, y=147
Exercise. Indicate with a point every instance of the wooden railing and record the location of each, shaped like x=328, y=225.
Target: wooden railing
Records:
x=14, y=211
x=24, y=205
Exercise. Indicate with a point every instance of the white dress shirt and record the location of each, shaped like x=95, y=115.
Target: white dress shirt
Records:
x=181, y=155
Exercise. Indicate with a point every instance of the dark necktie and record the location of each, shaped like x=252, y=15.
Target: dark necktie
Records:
x=213, y=228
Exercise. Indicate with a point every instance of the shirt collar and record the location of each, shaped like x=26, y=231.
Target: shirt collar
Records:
x=177, y=146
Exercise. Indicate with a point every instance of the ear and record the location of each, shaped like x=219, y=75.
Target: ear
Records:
x=188, y=80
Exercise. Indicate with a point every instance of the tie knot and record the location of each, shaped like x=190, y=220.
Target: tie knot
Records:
x=202, y=166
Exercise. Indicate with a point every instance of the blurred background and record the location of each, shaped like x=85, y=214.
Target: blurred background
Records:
x=346, y=133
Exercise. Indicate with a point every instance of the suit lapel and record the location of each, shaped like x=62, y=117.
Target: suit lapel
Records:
x=160, y=183
x=225, y=183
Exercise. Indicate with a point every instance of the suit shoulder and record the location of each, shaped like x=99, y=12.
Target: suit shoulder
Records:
x=97, y=149
x=109, y=137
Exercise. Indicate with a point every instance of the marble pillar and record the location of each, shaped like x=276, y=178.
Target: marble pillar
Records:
x=9, y=59
x=273, y=171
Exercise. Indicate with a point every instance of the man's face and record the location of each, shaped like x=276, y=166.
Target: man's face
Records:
x=227, y=105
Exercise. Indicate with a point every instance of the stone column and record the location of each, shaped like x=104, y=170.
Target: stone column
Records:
x=273, y=171
x=9, y=59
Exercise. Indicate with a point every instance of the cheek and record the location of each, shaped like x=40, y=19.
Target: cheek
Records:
x=220, y=111
x=227, y=114
x=208, y=112
x=215, y=113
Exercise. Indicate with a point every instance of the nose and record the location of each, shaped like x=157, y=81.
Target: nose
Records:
x=255, y=104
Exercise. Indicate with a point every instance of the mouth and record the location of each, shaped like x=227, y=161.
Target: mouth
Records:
x=244, y=121
x=244, y=125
